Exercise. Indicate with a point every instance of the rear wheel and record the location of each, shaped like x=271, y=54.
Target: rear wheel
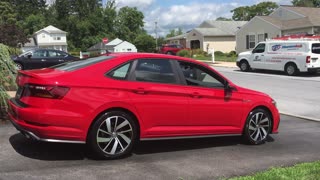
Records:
x=244, y=66
x=170, y=53
x=258, y=126
x=112, y=135
x=291, y=69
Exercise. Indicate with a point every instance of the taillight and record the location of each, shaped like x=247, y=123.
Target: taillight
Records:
x=308, y=59
x=45, y=91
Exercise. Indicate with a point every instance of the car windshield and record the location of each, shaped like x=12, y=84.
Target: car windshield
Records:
x=25, y=53
x=74, y=65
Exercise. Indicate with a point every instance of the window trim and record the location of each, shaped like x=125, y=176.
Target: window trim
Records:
x=119, y=66
x=173, y=67
x=216, y=76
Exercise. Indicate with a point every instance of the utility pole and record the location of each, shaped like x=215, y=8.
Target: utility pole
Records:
x=156, y=32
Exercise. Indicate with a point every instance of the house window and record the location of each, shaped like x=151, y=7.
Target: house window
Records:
x=57, y=38
x=43, y=36
x=129, y=50
x=260, y=37
x=252, y=41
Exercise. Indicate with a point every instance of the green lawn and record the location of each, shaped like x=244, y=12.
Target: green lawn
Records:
x=217, y=58
x=305, y=171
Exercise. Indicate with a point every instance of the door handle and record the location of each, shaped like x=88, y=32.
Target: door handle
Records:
x=140, y=91
x=195, y=95
x=43, y=60
x=262, y=54
x=61, y=60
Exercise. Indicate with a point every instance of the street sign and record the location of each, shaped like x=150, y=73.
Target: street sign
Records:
x=105, y=40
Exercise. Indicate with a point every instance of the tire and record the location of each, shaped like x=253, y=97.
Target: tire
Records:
x=169, y=53
x=244, y=66
x=291, y=69
x=258, y=126
x=105, y=140
x=19, y=66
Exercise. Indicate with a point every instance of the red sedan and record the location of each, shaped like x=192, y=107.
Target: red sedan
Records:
x=111, y=102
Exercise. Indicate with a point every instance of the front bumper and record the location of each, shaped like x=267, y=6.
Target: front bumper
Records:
x=238, y=63
x=36, y=131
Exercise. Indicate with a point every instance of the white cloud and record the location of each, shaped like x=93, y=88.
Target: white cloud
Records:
x=185, y=16
x=141, y=4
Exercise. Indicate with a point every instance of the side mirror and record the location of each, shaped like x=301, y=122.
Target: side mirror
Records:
x=29, y=56
x=228, y=89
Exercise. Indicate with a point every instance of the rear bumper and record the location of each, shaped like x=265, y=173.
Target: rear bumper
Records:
x=314, y=69
x=37, y=131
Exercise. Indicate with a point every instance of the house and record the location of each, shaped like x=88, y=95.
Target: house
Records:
x=49, y=38
x=180, y=39
x=286, y=20
x=217, y=35
x=116, y=45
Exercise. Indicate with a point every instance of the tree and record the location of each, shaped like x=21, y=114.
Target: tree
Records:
x=246, y=13
x=33, y=23
x=306, y=3
x=7, y=13
x=223, y=19
x=174, y=32
x=129, y=23
x=25, y=8
x=145, y=43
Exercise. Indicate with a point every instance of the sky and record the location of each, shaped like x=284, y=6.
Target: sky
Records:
x=185, y=14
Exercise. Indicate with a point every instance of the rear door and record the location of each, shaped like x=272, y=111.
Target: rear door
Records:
x=54, y=58
x=315, y=56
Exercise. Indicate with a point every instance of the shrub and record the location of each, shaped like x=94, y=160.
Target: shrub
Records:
x=7, y=80
x=219, y=53
x=232, y=54
x=199, y=53
x=183, y=53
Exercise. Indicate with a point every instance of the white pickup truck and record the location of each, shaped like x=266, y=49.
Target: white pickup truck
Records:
x=289, y=56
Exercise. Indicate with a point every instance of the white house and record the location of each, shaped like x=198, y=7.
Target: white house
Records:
x=116, y=45
x=49, y=38
x=219, y=35
x=286, y=20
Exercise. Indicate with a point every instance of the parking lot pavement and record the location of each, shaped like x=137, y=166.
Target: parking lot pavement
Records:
x=207, y=158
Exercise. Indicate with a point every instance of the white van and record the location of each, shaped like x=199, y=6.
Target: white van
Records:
x=291, y=56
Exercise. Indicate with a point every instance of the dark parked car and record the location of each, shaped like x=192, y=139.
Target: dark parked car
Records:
x=41, y=58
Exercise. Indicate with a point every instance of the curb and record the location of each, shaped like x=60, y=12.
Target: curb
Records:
x=301, y=117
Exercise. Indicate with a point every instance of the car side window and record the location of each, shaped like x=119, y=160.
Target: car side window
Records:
x=196, y=75
x=121, y=72
x=39, y=54
x=260, y=48
x=155, y=70
x=52, y=53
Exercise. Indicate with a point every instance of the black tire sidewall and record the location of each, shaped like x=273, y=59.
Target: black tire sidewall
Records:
x=246, y=134
x=247, y=65
x=92, y=144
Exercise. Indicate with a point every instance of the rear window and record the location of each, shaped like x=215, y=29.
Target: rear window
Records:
x=315, y=48
x=74, y=65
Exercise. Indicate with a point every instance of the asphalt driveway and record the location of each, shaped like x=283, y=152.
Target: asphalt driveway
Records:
x=207, y=158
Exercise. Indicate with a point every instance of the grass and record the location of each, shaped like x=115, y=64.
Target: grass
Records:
x=217, y=58
x=305, y=171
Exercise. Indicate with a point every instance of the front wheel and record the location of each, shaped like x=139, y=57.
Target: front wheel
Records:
x=112, y=135
x=244, y=66
x=258, y=126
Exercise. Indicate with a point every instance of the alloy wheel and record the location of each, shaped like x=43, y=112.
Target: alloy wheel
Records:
x=259, y=126
x=114, y=135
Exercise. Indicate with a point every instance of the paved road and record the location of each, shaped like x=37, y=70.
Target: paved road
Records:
x=209, y=158
x=299, y=95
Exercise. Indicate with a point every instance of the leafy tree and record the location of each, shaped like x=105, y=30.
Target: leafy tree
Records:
x=246, y=13
x=223, y=19
x=145, y=43
x=24, y=8
x=129, y=23
x=7, y=13
x=33, y=23
x=174, y=32
x=306, y=3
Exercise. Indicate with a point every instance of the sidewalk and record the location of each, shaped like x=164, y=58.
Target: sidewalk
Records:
x=221, y=64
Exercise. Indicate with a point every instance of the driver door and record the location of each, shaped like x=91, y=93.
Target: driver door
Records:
x=258, y=57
